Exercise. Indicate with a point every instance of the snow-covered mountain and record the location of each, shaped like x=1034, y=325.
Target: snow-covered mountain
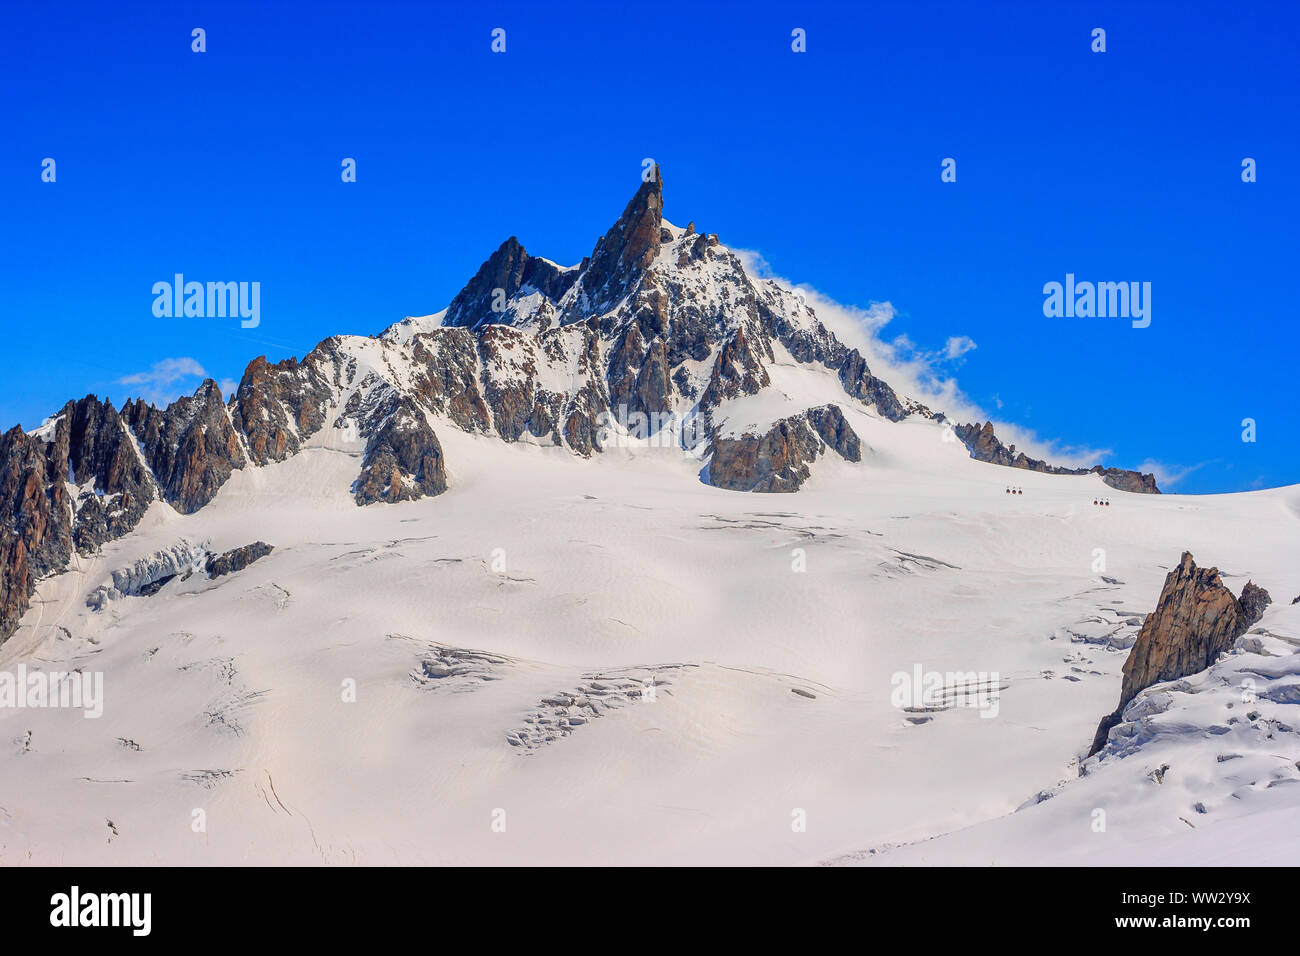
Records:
x=659, y=337
x=482, y=588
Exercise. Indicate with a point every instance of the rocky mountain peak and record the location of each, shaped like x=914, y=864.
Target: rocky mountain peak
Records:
x=626, y=251
x=514, y=288
x=489, y=297
x=660, y=328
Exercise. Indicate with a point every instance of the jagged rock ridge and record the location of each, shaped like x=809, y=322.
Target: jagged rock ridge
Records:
x=1195, y=620
x=984, y=445
x=659, y=322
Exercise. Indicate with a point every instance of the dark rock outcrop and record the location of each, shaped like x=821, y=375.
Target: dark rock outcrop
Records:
x=508, y=270
x=448, y=383
x=35, y=514
x=71, y=486
x=192, y=446
x=984, y=445
x=778, y=460
x=737, y=371
x=1254, y=600
x=835, y=431
x=403, y=458
x=278, y=407
x=512, y=394
x=114, y=486
x=1196, y=619
x=581, y=425
x=236, y=559
x=1122, y=479
x=860, y=383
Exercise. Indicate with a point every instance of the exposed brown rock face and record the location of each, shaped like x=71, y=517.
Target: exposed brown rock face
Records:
x=624, y=253
x=581, y=428
x=1122, y=479
x=737, y=371
x=236, y=560
x=448, y=384
x=1196, y=619
x=71, y=487
x=192, y=446
x=984, y=445
x=778, y=460
x=509, y=379
x=653, y=390
x=278, y=407
x=90, y=475
x=34, y=517
x=403, y=457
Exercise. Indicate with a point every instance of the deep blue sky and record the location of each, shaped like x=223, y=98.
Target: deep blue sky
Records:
x=1117, y=166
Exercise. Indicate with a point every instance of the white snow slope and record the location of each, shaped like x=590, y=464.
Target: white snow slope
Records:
x=499, y=636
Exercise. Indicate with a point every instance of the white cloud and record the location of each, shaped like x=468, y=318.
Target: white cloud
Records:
x=164, y=373
x=161, y=384
x=1167, y=476
x=228, y=387
x=957, y=346
x=920, y=374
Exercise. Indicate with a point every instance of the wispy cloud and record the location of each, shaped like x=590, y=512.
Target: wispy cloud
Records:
x=957, y=346
x=1168, y=476
x=923, y=374
x=166, y=381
